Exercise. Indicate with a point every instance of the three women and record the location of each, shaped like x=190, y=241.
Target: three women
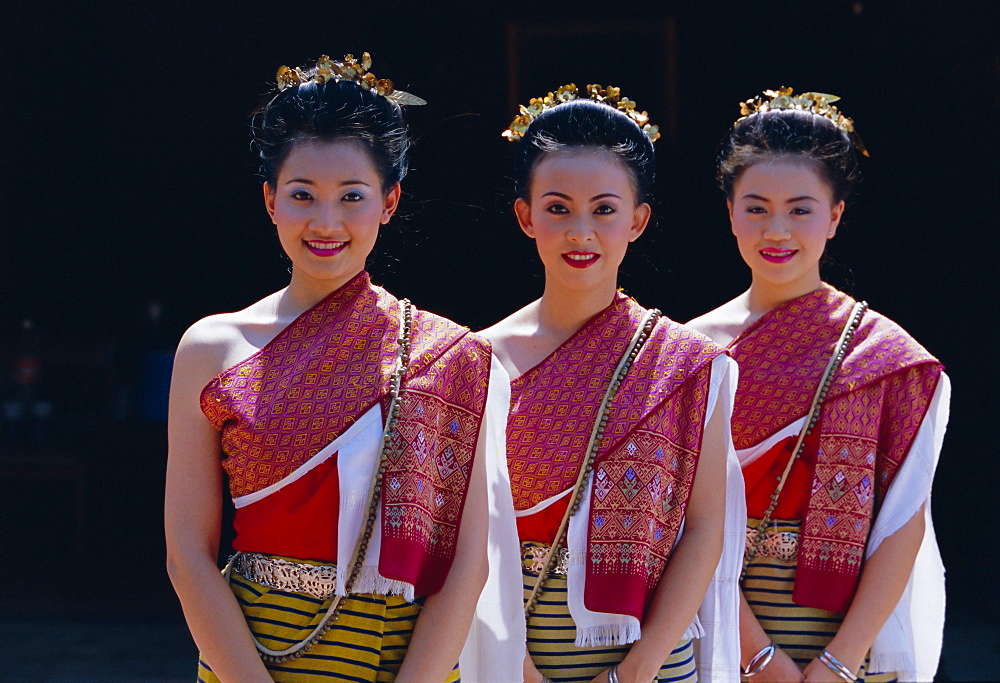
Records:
x=360, y=434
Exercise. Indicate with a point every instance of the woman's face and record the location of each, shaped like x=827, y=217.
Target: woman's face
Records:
x=782, y=213
x=327, y=205
x=582, y=214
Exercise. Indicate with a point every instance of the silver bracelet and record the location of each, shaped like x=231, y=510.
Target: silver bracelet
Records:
x=759, y=661
x=834, y=665
x=613, y=674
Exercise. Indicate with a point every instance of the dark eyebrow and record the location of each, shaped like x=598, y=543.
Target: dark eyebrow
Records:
x=803, y=198
x=306, y=181
x=593, y=199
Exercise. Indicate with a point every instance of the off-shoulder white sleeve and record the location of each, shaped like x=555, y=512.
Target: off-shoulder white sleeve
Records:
x=910, y=640
x=717, y=650
x=494, y=650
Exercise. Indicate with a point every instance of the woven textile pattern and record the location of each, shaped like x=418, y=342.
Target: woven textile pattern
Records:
x=282, y=405
x=782, y=357
x=642, y=487
x=867, y=423
x=646, y=463
x=554, y=405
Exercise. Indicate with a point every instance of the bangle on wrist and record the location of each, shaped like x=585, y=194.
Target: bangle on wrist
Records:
x=834, y=665
x=613, y=674
x=759, y=661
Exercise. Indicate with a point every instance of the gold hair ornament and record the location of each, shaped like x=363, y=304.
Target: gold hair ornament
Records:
x=815, y=102
x=610, y=96
x=349, y=69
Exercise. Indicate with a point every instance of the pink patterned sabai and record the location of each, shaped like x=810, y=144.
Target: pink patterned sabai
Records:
x=868, y=422
x=645, y=467
x=285, y=403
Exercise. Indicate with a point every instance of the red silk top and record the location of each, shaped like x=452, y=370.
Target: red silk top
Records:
x=761, y=478
x=299, y=520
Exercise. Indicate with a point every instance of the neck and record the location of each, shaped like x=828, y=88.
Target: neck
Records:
x=302, y=293
x=562, y=312
x=764, y=296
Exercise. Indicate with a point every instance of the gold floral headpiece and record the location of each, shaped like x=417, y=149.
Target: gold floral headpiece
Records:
x=610, y=96
x=815, y=102
x=349, y=69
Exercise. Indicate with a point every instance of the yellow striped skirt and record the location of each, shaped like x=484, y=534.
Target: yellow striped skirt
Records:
x=802, y=632
x=367, y=643
x=551, y=634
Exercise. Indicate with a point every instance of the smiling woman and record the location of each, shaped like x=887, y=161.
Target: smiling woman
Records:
x=327, y=204
x=362, y=438
x=618, y=431
x=839, y=406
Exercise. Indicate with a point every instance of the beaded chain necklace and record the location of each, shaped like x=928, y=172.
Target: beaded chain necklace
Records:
x=596, y=436
x=358, y=557
x=814, y=410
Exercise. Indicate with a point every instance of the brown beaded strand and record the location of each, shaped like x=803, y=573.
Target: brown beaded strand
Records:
x=814, y=411
x=597, y=435
x=392, y=417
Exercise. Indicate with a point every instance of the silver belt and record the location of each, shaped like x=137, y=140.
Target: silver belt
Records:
x=780, y=545
x=318, y=580
x=533, y=558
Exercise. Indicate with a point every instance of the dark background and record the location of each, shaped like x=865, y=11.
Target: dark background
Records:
x=128, y=181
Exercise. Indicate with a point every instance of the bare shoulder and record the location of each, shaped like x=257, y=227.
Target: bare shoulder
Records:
x=723, y=324
x=509, y=336
x=219, y=341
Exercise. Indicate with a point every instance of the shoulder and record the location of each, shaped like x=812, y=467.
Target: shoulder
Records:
x=520, y=325
x=879, y=333
x=507, y=336
x=723, y=324
x=435, y=336
x=219, y=341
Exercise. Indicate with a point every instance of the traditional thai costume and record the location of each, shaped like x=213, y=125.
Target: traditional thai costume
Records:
x=864, y=471
x=302, y=425
x=632, y=505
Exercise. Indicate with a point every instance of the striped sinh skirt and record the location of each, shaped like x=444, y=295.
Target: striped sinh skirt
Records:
x=551, y=635
x=366, y=644
x=802, y=632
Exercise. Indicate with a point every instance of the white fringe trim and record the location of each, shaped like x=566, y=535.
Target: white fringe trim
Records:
x=608, y=634
x=900, y=663
x=370, y=581
x=695, y=630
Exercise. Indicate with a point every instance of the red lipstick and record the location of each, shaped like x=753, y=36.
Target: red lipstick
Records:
x=581, y=259
x=778, y=255
x=325, y=248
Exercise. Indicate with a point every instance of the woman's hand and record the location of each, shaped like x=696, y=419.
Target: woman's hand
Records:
x=818, y=672
x=602, y=677
x=781, y=669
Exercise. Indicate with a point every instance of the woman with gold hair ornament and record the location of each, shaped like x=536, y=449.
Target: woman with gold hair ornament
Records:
x=618, y=440
x=838, y=421
x=359, y=434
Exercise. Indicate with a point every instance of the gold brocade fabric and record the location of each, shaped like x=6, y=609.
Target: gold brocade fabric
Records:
x=802, y=632
x=551, y=633
x=367, y=643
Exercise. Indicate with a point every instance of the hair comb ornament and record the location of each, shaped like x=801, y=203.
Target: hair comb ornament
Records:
x=815, y=102
x=610, y=96
x=349, y=69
